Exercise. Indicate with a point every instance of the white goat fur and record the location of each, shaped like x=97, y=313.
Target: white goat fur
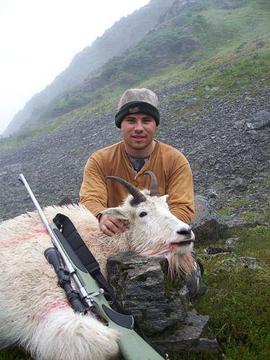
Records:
x=33, y=309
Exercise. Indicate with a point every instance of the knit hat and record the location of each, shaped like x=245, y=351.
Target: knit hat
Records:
x=135, y=101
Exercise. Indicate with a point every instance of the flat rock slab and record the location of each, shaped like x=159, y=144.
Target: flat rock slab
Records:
x=185, y=338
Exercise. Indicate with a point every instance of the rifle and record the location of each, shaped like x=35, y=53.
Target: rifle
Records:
x=88, y=296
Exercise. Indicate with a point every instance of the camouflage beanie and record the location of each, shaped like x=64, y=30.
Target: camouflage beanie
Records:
x=137, y=101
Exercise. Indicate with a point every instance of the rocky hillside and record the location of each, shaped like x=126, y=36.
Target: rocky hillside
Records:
x=228, y=148
x=213, y=81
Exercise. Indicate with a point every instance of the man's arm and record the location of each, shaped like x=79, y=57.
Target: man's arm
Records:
x=181, y=193
x=93, y=192
x=93, y=195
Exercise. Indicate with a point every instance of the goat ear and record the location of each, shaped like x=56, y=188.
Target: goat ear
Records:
x=164, y=198
x=116, y=212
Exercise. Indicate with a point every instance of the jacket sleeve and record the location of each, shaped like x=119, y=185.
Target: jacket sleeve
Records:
x=93, y=192
x=180, y=191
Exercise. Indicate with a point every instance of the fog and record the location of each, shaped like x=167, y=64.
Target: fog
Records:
x=39, y=38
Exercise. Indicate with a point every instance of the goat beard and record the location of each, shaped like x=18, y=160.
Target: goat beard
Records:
x=177, y=263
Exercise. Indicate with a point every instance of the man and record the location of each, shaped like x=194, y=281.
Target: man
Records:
x=138, y=118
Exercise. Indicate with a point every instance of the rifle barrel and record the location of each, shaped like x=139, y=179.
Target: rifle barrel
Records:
x=54, y=238
x=41, y=214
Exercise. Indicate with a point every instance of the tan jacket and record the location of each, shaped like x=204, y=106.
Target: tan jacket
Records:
x=170, y=166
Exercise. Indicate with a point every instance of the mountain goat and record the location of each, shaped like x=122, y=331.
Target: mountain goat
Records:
x=34, y=312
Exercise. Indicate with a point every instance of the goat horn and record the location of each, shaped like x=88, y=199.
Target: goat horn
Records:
x=138, y=197
x=154, y=191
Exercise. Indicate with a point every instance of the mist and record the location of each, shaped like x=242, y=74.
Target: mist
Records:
x=38, y=40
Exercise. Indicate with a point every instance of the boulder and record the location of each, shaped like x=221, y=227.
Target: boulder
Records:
x=259, y=121
x=207, y=224
x=142, y=288
x=161, y=308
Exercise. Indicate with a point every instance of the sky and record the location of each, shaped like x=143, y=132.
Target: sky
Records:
x=39, y=38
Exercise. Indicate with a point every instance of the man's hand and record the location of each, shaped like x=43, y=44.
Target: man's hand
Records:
x=110, y=225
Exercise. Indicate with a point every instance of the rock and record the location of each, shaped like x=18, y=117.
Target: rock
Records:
x=211, y=194
x=191, y=101
x=140, y=286
x=235, y=223
x=207, y=345
x=207, y=224
x=185, y=337
x=240, y=184
x=218, y=250
x=260, y=120
x=213, y=89
x=162, y=309
x=232, y=241
x=240, y=124
x=243, y=261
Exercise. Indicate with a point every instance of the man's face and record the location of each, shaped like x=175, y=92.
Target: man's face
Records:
x=138, y=131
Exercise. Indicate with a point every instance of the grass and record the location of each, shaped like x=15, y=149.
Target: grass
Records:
x=255, y=216
x=245, y=207
x=238, y=298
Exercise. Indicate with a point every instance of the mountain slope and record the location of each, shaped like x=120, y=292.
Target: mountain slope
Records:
x=199, y=34
x=215, y=107
x=122, y=35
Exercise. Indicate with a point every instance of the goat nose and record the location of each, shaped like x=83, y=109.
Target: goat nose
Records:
x=184, y=232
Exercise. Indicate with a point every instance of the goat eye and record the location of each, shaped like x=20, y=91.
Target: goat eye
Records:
x=142, y=214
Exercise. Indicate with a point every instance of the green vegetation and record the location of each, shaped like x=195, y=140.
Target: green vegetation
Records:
x=238, y=298
x=245, y=207
x=255, y=217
